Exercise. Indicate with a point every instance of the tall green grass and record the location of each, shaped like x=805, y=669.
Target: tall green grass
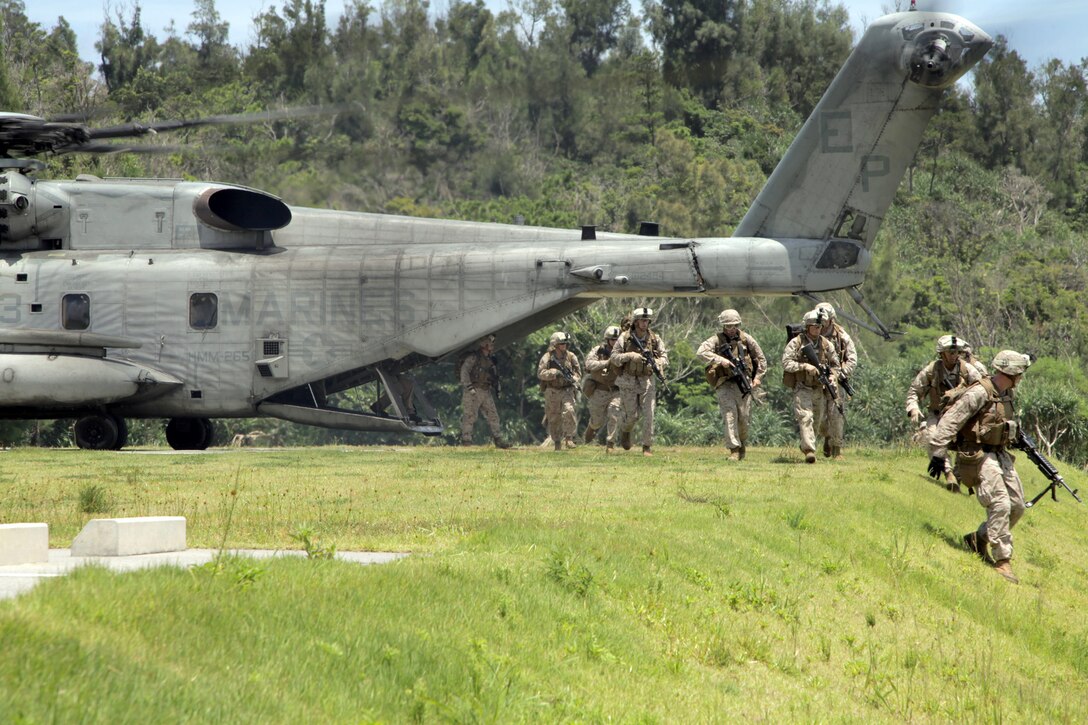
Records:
x=547, y=587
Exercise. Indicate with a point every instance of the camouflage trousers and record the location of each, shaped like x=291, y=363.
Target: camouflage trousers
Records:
x=637, y=400
x=736, y=412
x=809, y=409
x=604, y=410
x=834, y=422
x=559, y=410
x=1002, y=494
x=474, y=402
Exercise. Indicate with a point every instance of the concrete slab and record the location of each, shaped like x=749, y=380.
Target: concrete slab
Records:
x=18, y=578
x=127, y=536
x=24, y=543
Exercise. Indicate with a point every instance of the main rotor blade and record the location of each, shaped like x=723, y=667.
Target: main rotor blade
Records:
x=128, y=130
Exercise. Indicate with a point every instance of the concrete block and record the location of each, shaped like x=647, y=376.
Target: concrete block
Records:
x=125, y=537
x=24, y=543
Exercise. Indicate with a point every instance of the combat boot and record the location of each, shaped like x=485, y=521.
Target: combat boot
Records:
x=609, y=448
x=978, y=546
x=734, y=454
x=646, y=451
x=558, y=444
x=625, y=440
x=950, y=482
x=1004, y=568
x=466, y=441
x=569, y=443
x=740, y=453
x=591, y=433
x=810, y=457
x=500, y=443
x=827, y=448
x=836, y=454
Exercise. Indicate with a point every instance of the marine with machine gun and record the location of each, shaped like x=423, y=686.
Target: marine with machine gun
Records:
x=559, y=374
x=982, y=425
x=735, y=367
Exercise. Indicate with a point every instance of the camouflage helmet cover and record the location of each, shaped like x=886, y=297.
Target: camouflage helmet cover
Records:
x=559, y=338
x=950, y=343
x=812, y=317
x=729, y=317
x=642, y=313
x=612, y=332
x=486, y=340
x=1011, y=362
x=826, y=309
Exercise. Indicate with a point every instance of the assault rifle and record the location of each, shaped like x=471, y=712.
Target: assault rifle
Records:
x=844, y=383
x=1027, y=445
x=649, y=357
x=823, y=372
x=740, y=372
x=563, y=369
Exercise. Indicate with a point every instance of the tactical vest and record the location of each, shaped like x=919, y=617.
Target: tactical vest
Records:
x=606, y=376
x=824, y=348
x=938, y=398
x=741, y=352
x=482, y=372
x=639, y=368
x=559, y=381
x=987, y=427
x=835, y=338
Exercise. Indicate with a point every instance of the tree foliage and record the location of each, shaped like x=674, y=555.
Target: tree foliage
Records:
x=564, y=112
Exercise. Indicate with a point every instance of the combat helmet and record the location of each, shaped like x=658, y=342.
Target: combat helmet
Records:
x=559, y=338
x=1011, y=362
x=729, y=317
x=950, y=343
x=642, y=313
x=827, y=310
x=612, y=332
x=812, y=317
x=485, y=340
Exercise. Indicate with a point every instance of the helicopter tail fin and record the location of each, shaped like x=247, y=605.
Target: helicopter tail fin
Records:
x=840, y=175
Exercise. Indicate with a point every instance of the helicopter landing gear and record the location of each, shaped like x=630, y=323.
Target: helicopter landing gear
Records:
x=189, y=434
x=101, y=432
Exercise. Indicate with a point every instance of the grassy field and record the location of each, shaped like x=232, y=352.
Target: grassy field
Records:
x=555, y=587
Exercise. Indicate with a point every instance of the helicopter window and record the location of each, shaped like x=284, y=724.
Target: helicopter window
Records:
x=203, y=310
x=75, y=312
x=838, y=255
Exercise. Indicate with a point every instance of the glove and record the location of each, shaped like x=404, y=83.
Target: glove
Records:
x=915, y=417
x=810, y=369
x=726, y=365
x=936, y=467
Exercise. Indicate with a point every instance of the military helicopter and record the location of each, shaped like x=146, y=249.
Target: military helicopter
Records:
x=153, y=298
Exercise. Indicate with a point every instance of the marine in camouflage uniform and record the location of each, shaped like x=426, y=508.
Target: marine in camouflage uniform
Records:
x=479, y=377
x=835, y=421
x=735, y=407
x=810, y=400
x=982, y=424
x=928, y=395
x=601, y=390
x=559, y=392
x=638, y=388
